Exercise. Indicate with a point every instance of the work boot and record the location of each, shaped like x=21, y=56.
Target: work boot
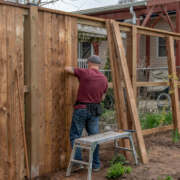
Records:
x=96, y=169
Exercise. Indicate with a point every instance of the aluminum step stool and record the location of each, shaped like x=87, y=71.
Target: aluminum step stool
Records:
x=90, y=143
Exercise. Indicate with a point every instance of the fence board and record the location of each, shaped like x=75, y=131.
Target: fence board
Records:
x=3, y=98
x=12, y=37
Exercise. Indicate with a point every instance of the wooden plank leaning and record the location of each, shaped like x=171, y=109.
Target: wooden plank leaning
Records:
x=122, y=64
x=173, y=83
x=118, y=89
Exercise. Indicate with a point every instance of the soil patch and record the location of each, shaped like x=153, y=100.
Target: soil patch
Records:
x=164, y=160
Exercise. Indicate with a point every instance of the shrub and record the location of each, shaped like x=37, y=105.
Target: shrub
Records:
x=109, y=101
x=176, y=136
x=117, y=170
x=150, y=120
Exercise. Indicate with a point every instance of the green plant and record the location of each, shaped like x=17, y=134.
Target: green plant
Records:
x=109, y=101
x=108, y=116
x=166, y=178
x=118, y=159
x=117, y=170
x=176, y=136
x=150, y=120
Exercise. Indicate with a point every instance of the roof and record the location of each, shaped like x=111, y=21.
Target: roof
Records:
x=110, y=8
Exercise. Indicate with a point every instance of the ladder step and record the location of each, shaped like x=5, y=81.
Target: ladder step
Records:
x=80, y=146
x=80, y=162
x=127, y=149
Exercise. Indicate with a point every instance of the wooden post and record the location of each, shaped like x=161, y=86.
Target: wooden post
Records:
x=118, y=88
x=70, y=60
x=178, y=42
x=122, y=63
x=173, y=83
x=33, y=79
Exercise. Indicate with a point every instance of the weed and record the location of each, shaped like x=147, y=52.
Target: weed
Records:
x=166, y=178
x=175, y=136
x=150, y=120
x=117, y=170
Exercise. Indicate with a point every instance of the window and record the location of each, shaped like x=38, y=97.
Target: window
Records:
x=162, y=47
x=85, y=50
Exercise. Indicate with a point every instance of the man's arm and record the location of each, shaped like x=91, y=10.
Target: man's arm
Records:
x=69, y=69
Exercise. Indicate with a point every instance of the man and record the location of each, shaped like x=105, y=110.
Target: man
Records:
x=92, y=87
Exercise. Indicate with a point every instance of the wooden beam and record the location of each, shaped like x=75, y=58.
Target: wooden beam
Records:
x=117, y=87
x=173, y=83
x=71, y=60
x=35, y=81
x=148, y=16
x=157, y=130
x=122, y=63
x=91, y=23
x=178, y=42
x=160, y=2
x=149, y=84
x=169, y=19
x=134, y=58
x=149, y=31
x=155, y=21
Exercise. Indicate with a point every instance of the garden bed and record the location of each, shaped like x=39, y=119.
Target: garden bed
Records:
x=164, y=160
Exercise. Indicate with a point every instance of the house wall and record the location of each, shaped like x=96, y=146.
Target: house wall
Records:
x=157, y=61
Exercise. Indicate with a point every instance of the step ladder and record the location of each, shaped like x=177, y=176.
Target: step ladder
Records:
x=90, y=143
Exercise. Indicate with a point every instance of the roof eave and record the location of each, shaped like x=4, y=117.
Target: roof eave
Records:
x=110, y=8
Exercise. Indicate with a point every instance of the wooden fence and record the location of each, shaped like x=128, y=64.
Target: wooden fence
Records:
x=38, y=43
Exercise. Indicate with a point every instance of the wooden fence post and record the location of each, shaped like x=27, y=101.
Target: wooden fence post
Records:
x=33, y=79
x=173, y=83
x=122, y=64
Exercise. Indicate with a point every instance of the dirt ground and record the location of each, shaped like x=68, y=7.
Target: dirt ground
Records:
x=164, y=160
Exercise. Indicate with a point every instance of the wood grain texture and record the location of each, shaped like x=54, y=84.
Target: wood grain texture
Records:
x=130, y=94
x=120, y=104
x=173, y=83
x=12, y=38
x=3, y=97
x=71, y=60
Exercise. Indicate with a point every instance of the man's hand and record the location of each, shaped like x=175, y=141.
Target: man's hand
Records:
x=69, y=69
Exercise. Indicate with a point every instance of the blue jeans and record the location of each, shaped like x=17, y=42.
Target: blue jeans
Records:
x=83, y=119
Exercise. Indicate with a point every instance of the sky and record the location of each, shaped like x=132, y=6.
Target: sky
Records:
x=76, y=5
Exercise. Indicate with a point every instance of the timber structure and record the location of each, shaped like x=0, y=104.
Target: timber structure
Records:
x=38, y=43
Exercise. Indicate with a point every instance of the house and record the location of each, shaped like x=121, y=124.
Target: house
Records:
x=160, y=14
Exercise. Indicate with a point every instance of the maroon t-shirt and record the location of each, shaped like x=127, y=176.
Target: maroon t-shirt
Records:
x=92, y=85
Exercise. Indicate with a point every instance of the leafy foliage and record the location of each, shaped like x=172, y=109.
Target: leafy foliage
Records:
x=117, y=170
x=166, y=178
x=176, y=136
x=109, y=101
x=150, y=120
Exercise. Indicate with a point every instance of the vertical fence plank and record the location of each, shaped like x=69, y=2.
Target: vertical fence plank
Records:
x=173, y=83
x=35, y=89
x=19, y=103
x=69, y=80
x=4, y=168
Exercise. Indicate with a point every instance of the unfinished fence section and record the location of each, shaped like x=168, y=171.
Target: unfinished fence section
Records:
x=52, y=43
x=11, y=59
x=38, y=43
